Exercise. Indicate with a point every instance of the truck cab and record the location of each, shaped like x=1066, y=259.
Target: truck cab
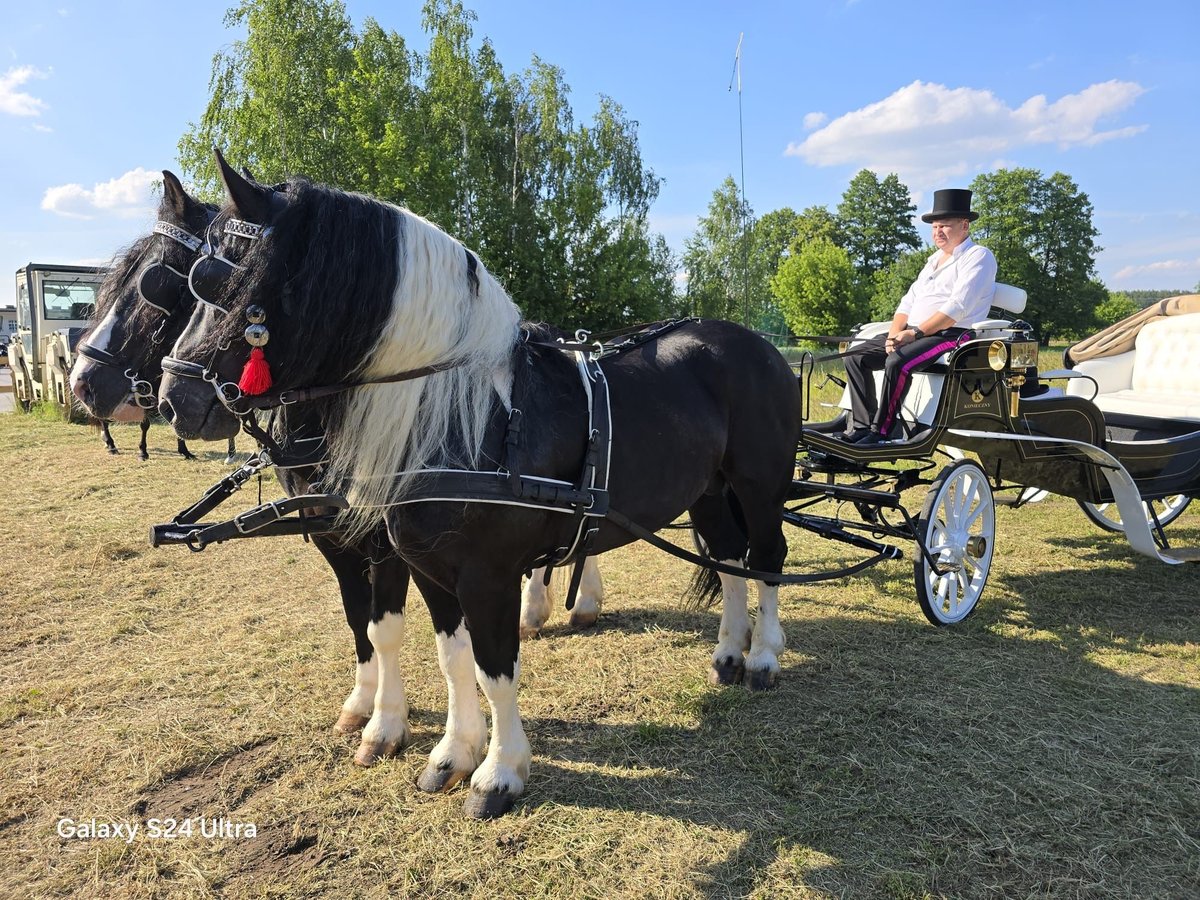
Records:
x=54, y=304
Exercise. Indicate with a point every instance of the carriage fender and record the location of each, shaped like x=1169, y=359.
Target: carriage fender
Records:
x=1124, y=490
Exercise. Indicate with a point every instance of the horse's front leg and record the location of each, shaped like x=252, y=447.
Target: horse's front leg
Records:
x=387, y=732
x=231, y=453
x=461, y=748
x=493, y=611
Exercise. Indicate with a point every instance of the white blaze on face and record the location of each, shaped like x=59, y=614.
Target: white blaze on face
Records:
x=99, y=339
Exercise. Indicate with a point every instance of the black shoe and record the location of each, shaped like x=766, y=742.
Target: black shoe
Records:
x=872, y=437
x=854, y=435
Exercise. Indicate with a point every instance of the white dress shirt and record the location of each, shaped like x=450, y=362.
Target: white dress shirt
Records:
x=962, y=287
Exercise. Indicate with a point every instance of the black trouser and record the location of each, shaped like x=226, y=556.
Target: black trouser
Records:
x=897, y=367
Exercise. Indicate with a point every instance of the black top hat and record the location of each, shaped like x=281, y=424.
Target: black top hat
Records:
x=952, y=203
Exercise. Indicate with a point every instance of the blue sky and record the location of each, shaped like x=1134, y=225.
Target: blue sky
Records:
x=94, y=97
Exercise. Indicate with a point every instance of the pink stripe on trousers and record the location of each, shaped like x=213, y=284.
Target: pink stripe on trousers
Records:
x=902, y=381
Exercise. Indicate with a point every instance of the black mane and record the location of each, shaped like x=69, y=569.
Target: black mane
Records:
x=304, y=273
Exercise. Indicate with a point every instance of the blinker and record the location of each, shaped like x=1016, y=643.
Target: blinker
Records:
x=207, y=278
x=161, y=286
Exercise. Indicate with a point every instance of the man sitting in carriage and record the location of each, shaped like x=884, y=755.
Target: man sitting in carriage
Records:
x=956, y=285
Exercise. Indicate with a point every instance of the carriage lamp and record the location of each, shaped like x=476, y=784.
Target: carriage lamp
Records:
x=998, y=356
x=1023, y=354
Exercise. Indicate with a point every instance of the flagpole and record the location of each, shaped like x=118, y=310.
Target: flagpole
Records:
x=737, y=75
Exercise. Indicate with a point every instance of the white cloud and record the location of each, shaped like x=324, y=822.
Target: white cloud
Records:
x=127, y=196
x=16, y=102
x=929, y=133
x=815, y=120
x=1164, y=266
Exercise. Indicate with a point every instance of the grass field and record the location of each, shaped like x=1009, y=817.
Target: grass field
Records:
x=1049, y=746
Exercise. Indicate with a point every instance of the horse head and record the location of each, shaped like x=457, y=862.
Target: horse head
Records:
x=142, y=306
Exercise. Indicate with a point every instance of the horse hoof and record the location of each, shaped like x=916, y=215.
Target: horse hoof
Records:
x=435, y=780
x=229, y=460
x=584, y=620
x=113, y=451
x=348, y=722
x=370, y=752
x=491, y=805
x=762, y=679
x=144, y=457
x=528, y=632
x=727, y=672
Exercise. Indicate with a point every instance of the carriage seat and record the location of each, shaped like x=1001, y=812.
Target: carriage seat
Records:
x=920, y=404
x=1159, y=378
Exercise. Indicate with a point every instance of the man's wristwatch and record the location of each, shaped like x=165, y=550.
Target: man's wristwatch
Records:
x=917, y=332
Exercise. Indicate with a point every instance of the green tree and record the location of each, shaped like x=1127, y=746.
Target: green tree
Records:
x=875, y=221
x=1118, y=306
x=1041, y=231
x=558, y=210
x=892, y=283
x=816, y=290
x=716, y=257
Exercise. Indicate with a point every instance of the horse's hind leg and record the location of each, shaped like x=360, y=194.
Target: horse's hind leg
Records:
x=591, y=595
x=724, y=541
x=182, y=449
x=143, y=453
x=108, y=438
x=537, y=599
x=461, y=748
x=230, y=457
x=763, y=517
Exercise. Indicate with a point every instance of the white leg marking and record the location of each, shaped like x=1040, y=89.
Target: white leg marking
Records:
x=591, y=595
x=366, y=681
x=507, y=764
x=388, y=729
x=768, y=640
x=461, y=748
x=535, y=604
x=733, y=639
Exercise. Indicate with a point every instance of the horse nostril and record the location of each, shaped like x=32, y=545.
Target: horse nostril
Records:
x=166, y=411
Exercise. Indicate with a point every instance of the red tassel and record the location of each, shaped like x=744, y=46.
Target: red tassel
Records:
x=256, y=376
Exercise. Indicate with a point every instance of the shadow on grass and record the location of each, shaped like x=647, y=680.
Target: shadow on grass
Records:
x=896, y=759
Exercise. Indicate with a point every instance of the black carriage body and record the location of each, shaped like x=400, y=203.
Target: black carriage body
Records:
x=1162, y=456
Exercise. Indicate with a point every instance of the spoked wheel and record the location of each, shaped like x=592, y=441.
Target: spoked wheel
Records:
x=1108, y=517
x=957, y=528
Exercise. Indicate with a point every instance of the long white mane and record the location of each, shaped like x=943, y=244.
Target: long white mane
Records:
x=389, y=432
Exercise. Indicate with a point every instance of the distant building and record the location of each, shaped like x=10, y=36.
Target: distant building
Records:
x=8, y=322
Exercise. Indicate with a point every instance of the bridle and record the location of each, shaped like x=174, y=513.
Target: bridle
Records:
x=162, y=287
x=207, y=275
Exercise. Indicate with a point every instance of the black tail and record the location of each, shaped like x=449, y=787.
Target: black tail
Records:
x=704, y=590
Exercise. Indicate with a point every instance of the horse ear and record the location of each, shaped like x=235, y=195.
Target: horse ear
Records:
x=248, y=175
x=174, y=195
x=252, y=201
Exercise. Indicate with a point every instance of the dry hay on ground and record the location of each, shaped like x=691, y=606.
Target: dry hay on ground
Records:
x=1048, y=746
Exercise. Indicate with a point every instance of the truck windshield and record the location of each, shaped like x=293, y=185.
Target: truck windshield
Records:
x=68, y=299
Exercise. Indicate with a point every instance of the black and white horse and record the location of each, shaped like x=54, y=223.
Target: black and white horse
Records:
x=705, y=419
x=118, y=360
x=143, y=305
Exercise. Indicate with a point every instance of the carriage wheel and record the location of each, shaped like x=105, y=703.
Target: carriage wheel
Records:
x=1108, y=517
x=958, y=529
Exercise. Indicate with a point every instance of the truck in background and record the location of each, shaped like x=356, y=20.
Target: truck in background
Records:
x=54, y=304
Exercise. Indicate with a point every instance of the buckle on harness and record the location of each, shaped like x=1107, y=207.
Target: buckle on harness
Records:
x=244, y=522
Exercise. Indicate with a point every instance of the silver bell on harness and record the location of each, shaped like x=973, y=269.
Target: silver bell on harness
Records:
x=256, y=375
